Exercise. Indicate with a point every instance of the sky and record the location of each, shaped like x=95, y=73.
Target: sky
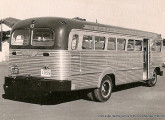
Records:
x=147, y=15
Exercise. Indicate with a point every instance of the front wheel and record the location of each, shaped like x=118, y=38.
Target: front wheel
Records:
x=152, y=82
x=103, y=93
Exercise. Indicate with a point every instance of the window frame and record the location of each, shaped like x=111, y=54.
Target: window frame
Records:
x=90, y=33
x=124, y=44
x=133, y=44
x=141, y=45
x=32, y=35
x=92, y=44
x=117, y=37
x=77, y=42
x=29, y=46
x=155, y=43
x=29, y=37
x=114, y=45
x=101, y=36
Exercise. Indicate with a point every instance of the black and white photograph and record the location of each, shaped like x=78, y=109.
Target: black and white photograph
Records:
x=82, y=59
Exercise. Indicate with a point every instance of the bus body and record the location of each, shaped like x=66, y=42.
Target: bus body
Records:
x=58, y=54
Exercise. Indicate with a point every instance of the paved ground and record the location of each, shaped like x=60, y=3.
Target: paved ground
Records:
x=129, y=101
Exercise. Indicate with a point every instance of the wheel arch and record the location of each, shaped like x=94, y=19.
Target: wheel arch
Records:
x=108, y=71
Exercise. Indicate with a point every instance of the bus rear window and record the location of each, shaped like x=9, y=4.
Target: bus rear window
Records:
x=43, y=37
x=20, y=37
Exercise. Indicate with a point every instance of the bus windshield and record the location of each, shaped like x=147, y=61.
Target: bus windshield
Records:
x=20, y=37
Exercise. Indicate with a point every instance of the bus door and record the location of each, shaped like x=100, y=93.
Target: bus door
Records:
x=146, y=59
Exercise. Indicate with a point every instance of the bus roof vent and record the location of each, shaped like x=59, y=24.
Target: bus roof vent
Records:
x=78, y=18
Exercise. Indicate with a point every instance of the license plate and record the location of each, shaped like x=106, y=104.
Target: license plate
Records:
x=45, y=72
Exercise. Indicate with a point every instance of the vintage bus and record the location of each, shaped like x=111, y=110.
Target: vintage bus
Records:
x=59, y=54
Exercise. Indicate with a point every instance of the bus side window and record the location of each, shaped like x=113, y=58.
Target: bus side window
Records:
x=138, y=45
x=74, y=43
x=99, y=43
x=111, y=44
x=153, y=47
x=156, y=46
x=87, y=42
x=130, y=45
x=121, y=44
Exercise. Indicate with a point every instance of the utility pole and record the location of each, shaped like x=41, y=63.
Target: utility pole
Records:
x=1, y=35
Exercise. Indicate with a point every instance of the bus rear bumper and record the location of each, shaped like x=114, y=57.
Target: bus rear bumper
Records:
x=33, y=86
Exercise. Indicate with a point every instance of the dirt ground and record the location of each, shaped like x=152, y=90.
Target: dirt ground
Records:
x=131, y=101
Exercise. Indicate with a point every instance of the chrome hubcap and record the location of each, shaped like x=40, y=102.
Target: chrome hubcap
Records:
x=106, y=88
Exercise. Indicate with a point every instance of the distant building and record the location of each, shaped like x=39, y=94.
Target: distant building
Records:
x=9, y=21
x=5, y=35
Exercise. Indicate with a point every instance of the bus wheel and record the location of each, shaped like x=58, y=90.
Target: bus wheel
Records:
x=103, y=93
x=152, y=82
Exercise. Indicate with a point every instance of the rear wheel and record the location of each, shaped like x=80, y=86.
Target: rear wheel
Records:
x=152, y=82
x=103, y=93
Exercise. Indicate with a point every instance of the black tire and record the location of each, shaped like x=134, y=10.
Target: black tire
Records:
x=152, y=82
x=90, y=95
x=103, y=93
